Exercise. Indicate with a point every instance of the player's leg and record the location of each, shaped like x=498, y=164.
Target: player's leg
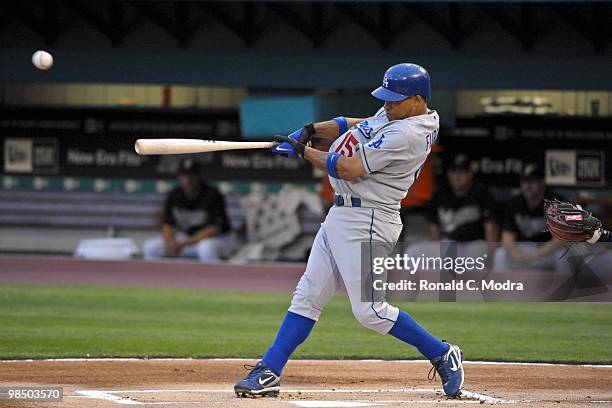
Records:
x=189, y=251
x=473, y=249
x=501, y=260
x=153, y=248
x=425, y=249
x=370, y=309
x=375, y=313
x=314, y=290
x=209, y=249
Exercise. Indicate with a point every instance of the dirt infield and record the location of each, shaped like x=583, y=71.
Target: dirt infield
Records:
x=308, y=383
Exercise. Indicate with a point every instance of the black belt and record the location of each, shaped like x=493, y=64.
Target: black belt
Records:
x=339, y=201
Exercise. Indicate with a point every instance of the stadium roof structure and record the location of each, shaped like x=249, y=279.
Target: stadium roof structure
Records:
x=453, y=21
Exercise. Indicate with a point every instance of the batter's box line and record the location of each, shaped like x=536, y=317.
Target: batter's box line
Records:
x=370, y=403
x=110, y=395
x=107, y=396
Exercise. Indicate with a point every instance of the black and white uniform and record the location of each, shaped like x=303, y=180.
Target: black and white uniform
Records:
x=531, y=232
x=189, y=215
x=461, y=219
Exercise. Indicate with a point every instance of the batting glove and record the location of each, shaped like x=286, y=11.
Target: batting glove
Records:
x=303, y=135
x=296, y=147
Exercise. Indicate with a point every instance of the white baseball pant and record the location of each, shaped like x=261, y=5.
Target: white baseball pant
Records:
x=335, y=259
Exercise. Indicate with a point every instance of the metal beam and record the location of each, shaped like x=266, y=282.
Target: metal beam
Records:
x=248, y=21
x=244, y=28
x=308, y=29
x=320, y=30
x=452, y=32
x=112, y=27
x=386, y=31
x=519, y=30
x=184, y=27
x=116, y=11
x=3, y=22
x=380, y=30
x=588, y=28
x=601, y=25
x=26, y=16
x=179, y=27
x=52, y=29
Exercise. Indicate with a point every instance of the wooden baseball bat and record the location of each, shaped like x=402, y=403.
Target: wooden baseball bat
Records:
x=183, y=146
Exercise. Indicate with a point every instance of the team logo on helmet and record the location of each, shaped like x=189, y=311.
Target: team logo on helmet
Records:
x=385, y=82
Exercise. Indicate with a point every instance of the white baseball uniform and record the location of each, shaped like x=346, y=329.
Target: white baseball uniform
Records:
x=393, y=152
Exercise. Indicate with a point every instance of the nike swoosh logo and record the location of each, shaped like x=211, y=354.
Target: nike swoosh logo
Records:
x=263, y=381
x=454, y=362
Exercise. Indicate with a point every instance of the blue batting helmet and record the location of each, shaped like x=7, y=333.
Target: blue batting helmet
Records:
x=402, y=81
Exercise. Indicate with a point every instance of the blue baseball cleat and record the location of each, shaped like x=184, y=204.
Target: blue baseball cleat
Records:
x=261, y=382
x=450, y=368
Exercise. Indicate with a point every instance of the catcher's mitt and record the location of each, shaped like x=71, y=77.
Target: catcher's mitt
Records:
x=569, y=222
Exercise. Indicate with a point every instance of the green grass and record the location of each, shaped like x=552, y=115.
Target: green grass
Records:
x=73, y=321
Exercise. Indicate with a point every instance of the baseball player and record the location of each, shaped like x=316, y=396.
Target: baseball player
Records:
x=525, y=242
x=461, y=211
x=371, y=164
x=194, y=219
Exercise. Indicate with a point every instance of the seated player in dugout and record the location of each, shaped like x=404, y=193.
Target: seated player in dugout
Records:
x=525, y=241
x=194, y=220
x=461, y=211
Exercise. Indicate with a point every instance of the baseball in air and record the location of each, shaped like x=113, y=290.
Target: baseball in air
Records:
x=42, y=60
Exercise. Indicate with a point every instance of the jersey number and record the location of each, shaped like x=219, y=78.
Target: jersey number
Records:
x=346, y=148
